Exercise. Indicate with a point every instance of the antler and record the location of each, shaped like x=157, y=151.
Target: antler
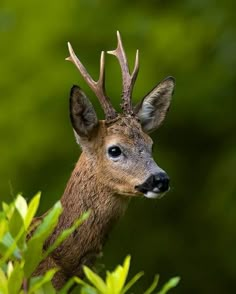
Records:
x=128, y=80
x=97, y=87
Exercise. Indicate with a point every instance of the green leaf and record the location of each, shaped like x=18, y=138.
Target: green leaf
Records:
x=80, y=282
x=9, y=268
x=49, y=221
x=34, y=253
x=124, y=272
x=16, y=223
x=8, y=247
x=132, y=282
x=71, y=282
x=37, y=282
x=3, y=283
x=3, y=224
x=5, y=206
x=169, y=285
x=32, y=209
x=66, y=233
x=46, y=289
x=116, y=280
x=153, y=285
x=21, y=206
x=8, y=209
x=67, y=286
x=15, y=279
x=89, y=290
x=110, y=282
x=95, y=280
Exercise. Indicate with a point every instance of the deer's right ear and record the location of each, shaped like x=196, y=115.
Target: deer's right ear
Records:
x=82, y=114
x=154, y=106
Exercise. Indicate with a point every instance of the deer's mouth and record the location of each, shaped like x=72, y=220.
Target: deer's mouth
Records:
x=151, y=194
x=154, y=195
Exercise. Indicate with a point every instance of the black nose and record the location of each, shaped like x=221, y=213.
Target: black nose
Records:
x=161, y=181
x=157, y=183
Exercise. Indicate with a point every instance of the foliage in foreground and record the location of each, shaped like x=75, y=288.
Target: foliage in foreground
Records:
x=20, y=256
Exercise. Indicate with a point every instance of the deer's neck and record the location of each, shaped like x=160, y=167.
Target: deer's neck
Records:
x=84, y=192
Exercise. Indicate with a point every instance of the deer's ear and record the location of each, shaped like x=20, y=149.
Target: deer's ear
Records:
x=153, y=108
x=82, y=114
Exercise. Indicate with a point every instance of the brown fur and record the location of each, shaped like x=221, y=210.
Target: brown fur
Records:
x=90, y=188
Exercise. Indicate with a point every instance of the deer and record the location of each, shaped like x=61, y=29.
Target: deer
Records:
x=115, y=165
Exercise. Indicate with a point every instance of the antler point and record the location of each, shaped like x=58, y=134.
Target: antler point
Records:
x=112, y=52
x=119, y=38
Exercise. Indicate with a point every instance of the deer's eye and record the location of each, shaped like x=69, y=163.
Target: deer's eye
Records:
x=114, y=151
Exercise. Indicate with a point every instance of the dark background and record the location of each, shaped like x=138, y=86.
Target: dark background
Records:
x=190, y=232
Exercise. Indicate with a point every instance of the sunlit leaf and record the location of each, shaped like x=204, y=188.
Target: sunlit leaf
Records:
x=66, y=233
x=9, y=268
x=79, y=281
x=3, y=283
x=46, y=289
x=8, y=209
x=153, y=285
x=95, y=280
x=132, y=282
x=116, y=280
x=32, y=209
x=76, y=280
x=21, y=206
x=109, y=282
x=89, y=290
x=8, y=247
x=16, y=223
x=169, y=285
x=5, y=206
x=67, y=286
x=49, y=221
x=37, y=282
x=3, y=224
x=124, y=272
x=34, y=253
x=15, y=279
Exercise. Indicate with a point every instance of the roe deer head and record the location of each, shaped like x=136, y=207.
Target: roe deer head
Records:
x=116, y=163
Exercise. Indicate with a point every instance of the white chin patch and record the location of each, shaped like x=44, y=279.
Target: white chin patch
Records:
x=153, y=195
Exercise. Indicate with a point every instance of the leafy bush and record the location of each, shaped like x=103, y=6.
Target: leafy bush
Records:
x=20, y=255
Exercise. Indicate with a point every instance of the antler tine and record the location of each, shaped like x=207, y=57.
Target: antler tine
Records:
x=128, y=79
x=97, y=87
x=101, y=80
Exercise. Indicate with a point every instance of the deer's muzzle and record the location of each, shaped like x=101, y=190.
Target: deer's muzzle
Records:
x=155, y=185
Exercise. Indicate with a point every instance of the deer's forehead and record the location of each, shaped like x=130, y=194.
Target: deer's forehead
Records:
x=127, y=132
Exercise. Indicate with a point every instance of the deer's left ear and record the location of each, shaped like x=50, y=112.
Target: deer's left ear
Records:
x=82, y=114
x=153, y=108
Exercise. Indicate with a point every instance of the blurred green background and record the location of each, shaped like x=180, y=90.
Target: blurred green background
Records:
x=192, y=231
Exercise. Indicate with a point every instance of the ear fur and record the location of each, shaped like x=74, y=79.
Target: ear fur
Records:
x=153, y=108
x=82, y=114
